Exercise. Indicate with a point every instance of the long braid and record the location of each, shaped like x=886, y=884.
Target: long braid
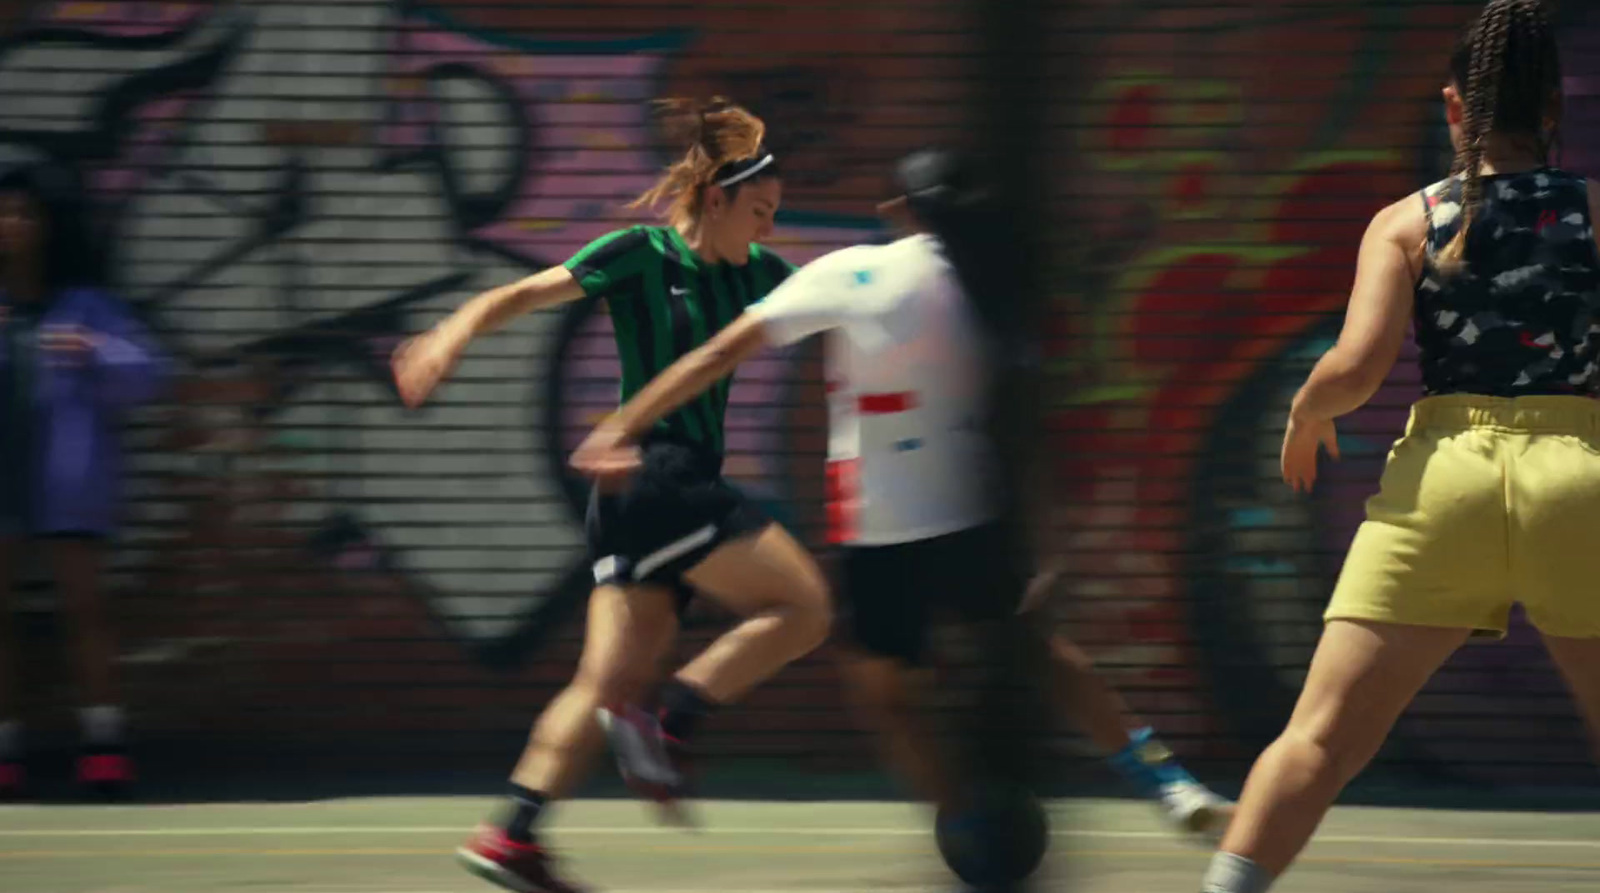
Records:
x=1534, y=66
x=1488, y=42
x=1508, y=69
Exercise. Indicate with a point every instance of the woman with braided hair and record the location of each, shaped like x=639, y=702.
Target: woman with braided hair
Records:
x=1493, y=494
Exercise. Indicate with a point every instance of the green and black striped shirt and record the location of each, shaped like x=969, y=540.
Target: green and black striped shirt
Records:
x=665, y=301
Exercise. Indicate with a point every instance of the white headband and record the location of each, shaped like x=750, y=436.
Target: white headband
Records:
x=747, y=173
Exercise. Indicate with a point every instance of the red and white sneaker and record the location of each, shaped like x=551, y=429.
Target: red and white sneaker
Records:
x=522, y=867
x=654, y=764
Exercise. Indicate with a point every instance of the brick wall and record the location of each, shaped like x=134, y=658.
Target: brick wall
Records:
x=1231, y=158
x=288, y=187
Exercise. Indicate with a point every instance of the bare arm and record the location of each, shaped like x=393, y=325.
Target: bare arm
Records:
x=494, y=308
x=814, y=299
x=421, y=363
x=1375, y=322
x=811, y=301
x=692, y=375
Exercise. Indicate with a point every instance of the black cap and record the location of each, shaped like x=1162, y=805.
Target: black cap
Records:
x=936, y=177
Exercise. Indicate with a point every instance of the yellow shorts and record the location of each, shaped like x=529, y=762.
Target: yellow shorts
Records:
x=1484, y=502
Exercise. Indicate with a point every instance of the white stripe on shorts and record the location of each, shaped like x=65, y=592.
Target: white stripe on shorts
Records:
x=605, y=570
x=675, y=549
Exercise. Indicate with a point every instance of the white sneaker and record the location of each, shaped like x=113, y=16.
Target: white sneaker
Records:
x=1194, y=809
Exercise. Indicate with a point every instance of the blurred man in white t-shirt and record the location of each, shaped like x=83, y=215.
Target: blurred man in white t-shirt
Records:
x=916, y=498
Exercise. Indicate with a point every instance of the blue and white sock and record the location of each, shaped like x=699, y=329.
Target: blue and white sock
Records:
x=1148, y=764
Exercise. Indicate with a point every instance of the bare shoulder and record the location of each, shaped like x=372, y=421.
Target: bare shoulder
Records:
x=1404, y=221
x=1403, y=224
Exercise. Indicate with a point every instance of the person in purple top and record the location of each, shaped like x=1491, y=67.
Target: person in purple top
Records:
x=72, y=359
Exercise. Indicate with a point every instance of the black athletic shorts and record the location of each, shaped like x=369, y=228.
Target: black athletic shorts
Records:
x=891, y=595
x=674, y=511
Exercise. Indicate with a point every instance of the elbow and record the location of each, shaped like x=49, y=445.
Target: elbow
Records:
x=729, y=353
x=1363, y=373
x=715, y=361
x=722, y=355
x=1370, y=381
x=1351, y=379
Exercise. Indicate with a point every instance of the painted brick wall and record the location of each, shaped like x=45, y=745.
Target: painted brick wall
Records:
x=1232, y=155
x=289, y=187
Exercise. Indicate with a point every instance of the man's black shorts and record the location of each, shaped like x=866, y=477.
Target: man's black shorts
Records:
x=673, y=512
x=891, y=595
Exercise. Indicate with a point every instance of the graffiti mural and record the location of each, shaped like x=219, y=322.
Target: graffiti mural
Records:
x=284, y=210
x=288, y=189
x=1215, y=288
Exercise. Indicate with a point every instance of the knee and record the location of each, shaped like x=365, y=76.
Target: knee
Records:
x=608, y=682
x=878, y=699
x=1334, y=755
x=588, y=681
x=810, y=615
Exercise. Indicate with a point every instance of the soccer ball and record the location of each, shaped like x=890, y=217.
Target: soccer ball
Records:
x=997, y=838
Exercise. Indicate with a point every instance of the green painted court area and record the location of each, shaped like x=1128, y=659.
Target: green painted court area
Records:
x=403, y=845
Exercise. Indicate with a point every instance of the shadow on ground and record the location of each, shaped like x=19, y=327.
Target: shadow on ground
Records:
x=188, y=771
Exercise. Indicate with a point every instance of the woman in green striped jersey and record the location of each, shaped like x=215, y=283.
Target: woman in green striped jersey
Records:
x=668, y=524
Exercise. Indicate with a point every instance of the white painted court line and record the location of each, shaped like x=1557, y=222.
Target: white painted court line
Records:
x=305, y=830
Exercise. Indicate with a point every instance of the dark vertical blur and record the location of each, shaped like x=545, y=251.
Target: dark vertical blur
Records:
x=1011, y=97
x=1007, y=732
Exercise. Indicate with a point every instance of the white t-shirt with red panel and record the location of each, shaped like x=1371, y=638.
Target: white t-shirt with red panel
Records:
x=908, y=458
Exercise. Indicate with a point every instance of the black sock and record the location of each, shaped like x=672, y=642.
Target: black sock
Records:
x=682, y=708
x=525, y=808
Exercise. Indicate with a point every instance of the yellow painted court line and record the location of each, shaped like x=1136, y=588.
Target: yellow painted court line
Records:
x=703, y=849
